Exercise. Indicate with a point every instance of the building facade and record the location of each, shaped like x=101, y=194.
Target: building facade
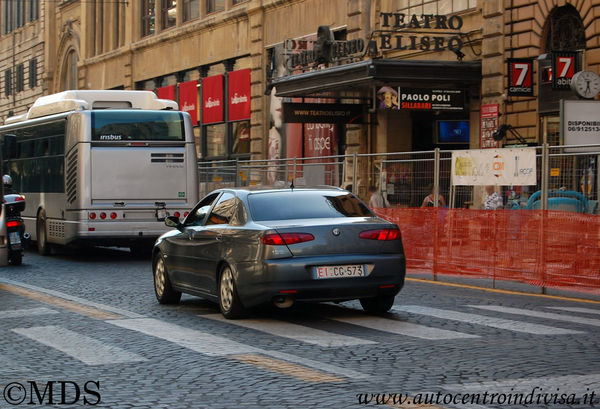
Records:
x=411, y=75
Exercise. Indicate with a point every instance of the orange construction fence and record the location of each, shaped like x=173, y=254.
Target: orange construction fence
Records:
x=549, y=249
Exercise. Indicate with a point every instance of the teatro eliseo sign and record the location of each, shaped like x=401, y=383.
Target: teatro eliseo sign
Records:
x=399, y=31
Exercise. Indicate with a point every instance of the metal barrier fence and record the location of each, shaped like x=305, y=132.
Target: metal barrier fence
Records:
x=566, y=178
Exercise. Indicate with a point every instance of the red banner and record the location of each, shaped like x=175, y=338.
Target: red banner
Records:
x=239, y=95
x=167, y=92
x=188, y=99
x=212, y=99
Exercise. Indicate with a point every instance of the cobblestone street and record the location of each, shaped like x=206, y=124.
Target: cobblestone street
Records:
x=92, y=317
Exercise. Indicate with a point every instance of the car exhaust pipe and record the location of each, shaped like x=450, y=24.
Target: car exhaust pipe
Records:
x=283, y=301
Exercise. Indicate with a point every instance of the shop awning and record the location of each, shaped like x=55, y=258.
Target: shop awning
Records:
x=360, y=77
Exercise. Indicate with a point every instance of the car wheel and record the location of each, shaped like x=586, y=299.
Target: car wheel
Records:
x=165, y=294
x=229, y=302
x=377, y=305
x=42, y=240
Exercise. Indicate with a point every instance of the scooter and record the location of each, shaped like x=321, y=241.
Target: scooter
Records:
x=14, y=204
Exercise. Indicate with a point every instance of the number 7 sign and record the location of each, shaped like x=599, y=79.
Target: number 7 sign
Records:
x=564, y=66
x=520, y=76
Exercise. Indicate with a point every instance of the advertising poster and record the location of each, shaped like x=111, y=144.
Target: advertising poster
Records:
x=489, y=123
x=498, y=167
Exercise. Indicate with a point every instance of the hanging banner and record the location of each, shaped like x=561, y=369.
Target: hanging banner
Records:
x=188, y=99
x=432, y=99
x=489, y=123
x=520, y=77
x=212, y=99
x=498, y=167
x=167, y=92
x=564, y=66
x=239, y=95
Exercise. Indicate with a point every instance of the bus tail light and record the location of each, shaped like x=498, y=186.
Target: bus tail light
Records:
x=113, y=215
x=177, y=214
x=92, y=216
x=186, y=214
x=103, y=215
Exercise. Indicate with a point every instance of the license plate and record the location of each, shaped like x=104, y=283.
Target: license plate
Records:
x=339, y=271
x=161, y=214
x=14, y=238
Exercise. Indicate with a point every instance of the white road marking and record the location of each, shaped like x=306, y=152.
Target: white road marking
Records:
x=577, y=309
x=26, y=312
x=578, y=384
x=294, y=331
x=403, y=328
x=540, y=314
x=81, y=347
x=213, y=345
x=104, y=307
x=487, y=321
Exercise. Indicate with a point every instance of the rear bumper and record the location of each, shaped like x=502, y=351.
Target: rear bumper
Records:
x=295, y=277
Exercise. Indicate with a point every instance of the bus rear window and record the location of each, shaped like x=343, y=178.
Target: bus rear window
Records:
x=136, y=125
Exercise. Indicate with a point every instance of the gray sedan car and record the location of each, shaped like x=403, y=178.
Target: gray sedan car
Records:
x=244, y=247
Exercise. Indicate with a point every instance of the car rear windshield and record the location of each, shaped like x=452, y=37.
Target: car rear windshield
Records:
x=137, y=125
x=305, y=205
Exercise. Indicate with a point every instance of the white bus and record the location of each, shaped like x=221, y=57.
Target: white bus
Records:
x=101, y=167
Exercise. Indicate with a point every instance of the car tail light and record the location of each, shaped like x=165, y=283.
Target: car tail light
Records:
x=113, y=215
x=177, y=214
x=103, y=215
x=12, y=224
x=92, y=215
x=276, y=239
x=380, y=234
x=19, y=198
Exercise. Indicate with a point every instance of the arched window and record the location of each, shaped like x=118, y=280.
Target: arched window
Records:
x=564, y=30
x=68, y=76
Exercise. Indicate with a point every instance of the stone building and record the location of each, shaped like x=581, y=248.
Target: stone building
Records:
x=388, y=59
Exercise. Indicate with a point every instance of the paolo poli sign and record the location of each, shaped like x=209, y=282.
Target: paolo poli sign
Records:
x=432, y=99
x=500, y=167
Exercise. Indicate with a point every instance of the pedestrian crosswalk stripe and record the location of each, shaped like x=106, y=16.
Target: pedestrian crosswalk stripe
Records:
x=216, y=346
x=26, y=312
x=81, y=347
x=286, y=368
x=487, y=321
x=102, y=314
x=578, y=384
x=294, y=331
x=540, y=314
x=403, y=328
x=577, y=309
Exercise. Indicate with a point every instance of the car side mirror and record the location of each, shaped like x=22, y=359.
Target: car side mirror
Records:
x=173, y=221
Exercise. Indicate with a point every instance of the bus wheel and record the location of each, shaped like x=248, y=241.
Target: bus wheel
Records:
x=42, y=240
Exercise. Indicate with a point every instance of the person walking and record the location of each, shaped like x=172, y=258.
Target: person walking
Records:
x=377, y=200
